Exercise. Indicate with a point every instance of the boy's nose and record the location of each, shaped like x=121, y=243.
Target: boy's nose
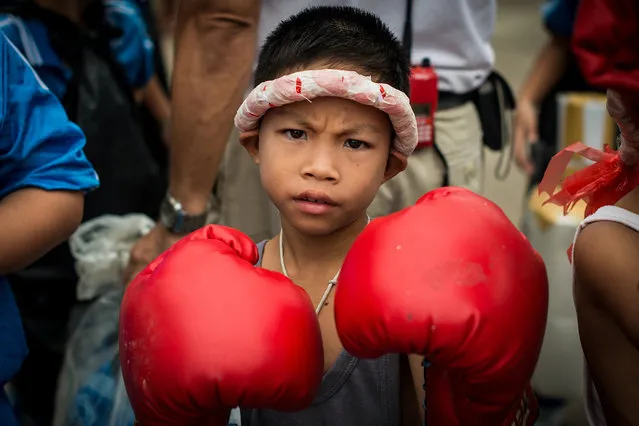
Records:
x=320, y=165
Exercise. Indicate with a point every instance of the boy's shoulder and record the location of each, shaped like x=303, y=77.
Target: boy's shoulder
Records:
x=605, y=255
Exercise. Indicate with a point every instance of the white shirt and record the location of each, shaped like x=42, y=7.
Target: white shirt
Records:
x=454, y=34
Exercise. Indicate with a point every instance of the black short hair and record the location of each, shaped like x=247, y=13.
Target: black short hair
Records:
x=337, y=36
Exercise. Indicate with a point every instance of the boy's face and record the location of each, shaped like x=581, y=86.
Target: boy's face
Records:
x=322, y=162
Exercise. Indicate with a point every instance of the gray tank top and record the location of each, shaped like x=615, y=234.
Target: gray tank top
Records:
x=353, y=392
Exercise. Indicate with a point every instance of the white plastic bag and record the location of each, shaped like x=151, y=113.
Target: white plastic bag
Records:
x=101, y=249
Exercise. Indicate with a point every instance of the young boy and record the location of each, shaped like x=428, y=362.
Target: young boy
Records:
x=204, y=330
x=606, y=244
x=43, y=173
x=605, y=275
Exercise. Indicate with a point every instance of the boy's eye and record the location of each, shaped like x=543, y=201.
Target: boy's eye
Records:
x=295, y=134
x=354, y=144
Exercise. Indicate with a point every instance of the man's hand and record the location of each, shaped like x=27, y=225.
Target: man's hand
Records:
x=147, y=249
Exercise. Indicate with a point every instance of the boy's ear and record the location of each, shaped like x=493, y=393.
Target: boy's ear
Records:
x=396, y=163
x=251, y=142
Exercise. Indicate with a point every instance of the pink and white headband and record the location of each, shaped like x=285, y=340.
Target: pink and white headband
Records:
x=310, y=84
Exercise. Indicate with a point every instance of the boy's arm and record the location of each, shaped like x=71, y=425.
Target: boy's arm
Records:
x=42, y=167
x=606, y=298
x=34, y=221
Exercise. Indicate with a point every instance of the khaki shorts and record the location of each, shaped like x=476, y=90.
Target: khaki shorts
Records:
x=239, y=199
x=459, y=139
x=241, y=202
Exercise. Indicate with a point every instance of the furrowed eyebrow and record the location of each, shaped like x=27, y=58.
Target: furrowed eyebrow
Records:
x=301, y=121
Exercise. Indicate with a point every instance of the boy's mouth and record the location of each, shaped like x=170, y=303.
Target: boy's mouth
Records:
x=313, y=196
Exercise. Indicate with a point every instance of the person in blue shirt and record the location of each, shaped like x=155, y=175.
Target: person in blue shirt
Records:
x=125, y=79
x=555, y=70
x=43, y=175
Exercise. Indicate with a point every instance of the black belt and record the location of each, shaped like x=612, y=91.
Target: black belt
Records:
x=449, y=100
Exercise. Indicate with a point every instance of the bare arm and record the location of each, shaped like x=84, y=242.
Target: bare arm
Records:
x=216, y=44
x=547, y=70
x=545, y=73
x=34, y=221
x=606, y=298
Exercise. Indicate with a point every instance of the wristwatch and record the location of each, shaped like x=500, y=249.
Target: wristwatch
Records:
x=179, y=221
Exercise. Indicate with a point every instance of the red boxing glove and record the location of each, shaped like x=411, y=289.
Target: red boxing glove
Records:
x=451, y=279
x=202, y=331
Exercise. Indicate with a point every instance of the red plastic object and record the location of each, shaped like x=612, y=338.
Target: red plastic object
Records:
x=424, y=98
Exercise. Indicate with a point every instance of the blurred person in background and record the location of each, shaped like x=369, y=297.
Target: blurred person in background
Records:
x=156, y=122
x=216, y=42
x=554, y=71
x=97, y=59
x=155, y=17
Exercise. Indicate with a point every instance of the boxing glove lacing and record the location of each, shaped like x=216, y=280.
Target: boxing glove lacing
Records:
x=331, y=283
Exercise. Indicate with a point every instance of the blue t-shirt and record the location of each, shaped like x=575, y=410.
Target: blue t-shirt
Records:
x=559, y=16
x=41, y=148
x=133, y=49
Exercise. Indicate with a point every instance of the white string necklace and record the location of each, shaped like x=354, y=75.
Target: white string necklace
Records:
x=331, y=283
